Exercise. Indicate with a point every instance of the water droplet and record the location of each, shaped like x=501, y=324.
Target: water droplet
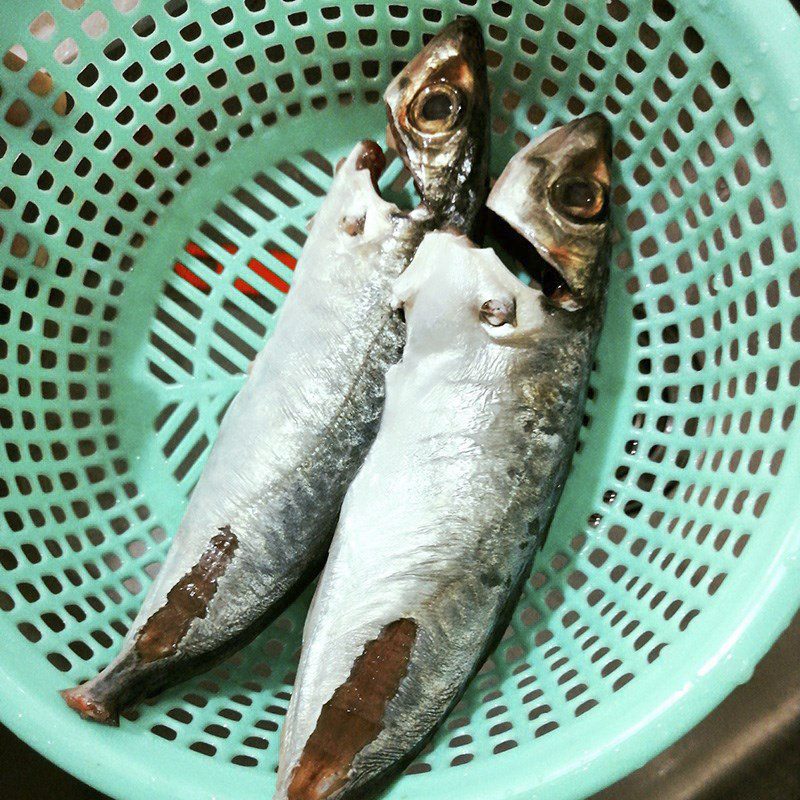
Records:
x=610, y=496
x=757, y=91
x=594, y=520
x=794, y=104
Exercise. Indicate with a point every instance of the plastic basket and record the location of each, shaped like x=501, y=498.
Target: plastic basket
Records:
x=157, y=168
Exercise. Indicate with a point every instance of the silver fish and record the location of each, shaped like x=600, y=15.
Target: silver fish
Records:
x=260, y=519
x=439, y=528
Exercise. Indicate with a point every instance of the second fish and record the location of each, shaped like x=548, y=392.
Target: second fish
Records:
x=440, y=526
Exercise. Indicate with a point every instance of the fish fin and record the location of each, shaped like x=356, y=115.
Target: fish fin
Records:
x=80, y=699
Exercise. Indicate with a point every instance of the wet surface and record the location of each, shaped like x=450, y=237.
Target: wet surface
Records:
x=747, y=749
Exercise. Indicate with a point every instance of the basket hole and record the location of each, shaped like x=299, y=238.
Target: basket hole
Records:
x=218, y=731
x=95, y=25
x=81, y=649
x=66, y=52
x=548, y=727
x=60, y=662
x=460, y=741
x=503, y=747
x=43, y=27
x=256, y=742
x=586, y=705
x=244, y=761
x=18, y=114
x=164, y=732
x=6, y=602
x=224, y=16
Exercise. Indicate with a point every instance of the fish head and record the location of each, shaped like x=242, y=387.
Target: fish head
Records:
x=555, y=193
x=438, y=111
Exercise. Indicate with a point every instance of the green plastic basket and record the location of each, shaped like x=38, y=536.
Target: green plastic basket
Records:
x=157, y=168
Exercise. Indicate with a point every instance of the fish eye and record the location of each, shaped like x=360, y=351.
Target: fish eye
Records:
x=436, y=109
x=581, y=198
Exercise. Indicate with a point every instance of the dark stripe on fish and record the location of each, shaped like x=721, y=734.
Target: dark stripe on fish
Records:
x=187, y=600
x=353, y=717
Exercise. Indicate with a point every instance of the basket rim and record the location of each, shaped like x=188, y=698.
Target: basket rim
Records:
x=577, y=766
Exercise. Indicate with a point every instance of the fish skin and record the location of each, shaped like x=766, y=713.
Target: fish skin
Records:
x=292, y=439
x=441, y=524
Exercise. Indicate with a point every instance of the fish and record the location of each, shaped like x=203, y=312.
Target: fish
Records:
x=259, y=521
x=439, y=528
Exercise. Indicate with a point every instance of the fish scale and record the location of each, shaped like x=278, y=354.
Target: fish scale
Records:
x=313, y=410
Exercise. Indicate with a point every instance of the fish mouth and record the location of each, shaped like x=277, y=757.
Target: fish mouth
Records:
x=463, y=34
x=526, y=254
x=553, y=201
x=395, y=141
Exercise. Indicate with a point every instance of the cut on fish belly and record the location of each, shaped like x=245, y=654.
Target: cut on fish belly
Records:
x=440, y=526
x=259, y=522
x=352, y=718
x=187, y=600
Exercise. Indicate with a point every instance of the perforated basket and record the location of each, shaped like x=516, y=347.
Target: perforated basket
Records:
x=157, y=167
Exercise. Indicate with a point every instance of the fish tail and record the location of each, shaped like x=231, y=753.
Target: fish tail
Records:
x=92, y=703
